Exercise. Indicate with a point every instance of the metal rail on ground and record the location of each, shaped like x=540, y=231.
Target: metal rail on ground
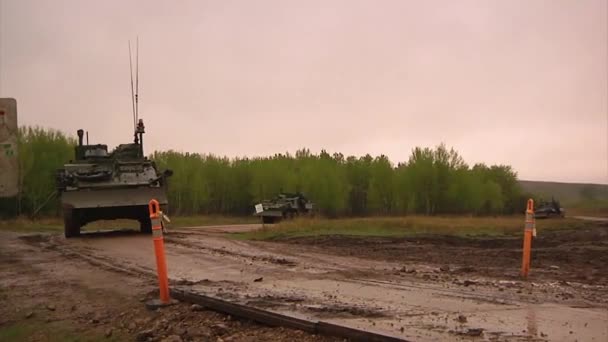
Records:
x=275, y=319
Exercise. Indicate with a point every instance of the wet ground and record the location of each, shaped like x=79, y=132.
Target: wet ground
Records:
x=572, y=255
x=48, y=293
x=423, y=289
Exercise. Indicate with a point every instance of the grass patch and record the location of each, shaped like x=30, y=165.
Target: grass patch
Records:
x=405, y=226
x=25, y=225
x=38, y=331
x=55, y=225
x=197, y=221
x=598, y=208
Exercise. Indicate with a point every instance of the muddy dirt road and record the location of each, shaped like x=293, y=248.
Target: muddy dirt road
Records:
x=48, y=293
x=420, y=289
x=415, y=289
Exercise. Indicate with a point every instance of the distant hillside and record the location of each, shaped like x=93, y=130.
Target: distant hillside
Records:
x=567, y=193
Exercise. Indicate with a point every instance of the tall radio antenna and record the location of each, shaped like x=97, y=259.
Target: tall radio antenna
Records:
x=134, y=90
x=136, y=78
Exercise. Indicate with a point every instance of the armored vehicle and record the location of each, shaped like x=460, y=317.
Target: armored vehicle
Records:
x=549, y=209
x=285, y=205
x=102, y=185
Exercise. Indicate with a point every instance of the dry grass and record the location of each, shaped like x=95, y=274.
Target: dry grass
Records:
x=406, y=226
x=598, y=208
x=200, y=220
x=53, y=224
x=35, y=330
x=27, y=225
x=569, y=194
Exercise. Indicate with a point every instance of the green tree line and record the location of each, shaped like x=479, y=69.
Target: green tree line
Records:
x=432, y=181
x=40, y=153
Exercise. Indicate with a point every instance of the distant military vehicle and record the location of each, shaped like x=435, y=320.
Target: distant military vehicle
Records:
x=549, y=209
x=8, y=148
x=283, y=206
x=98, y=185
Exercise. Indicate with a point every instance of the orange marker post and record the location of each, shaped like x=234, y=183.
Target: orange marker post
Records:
x=159, y=251
x=530, y=227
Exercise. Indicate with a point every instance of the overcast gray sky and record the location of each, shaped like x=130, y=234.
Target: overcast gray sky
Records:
x=514, y=82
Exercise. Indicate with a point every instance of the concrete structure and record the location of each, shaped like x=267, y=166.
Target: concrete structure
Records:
x=9, y=170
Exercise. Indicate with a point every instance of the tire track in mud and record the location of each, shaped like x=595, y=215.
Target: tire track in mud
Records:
x=227, y=290
x=123, y=266
x=180, y=241
x=280, y=255
x=54, y=244
x=362, y=274
x=223, y=289
x=323, y=306
x=358, y=300
x=329, y=305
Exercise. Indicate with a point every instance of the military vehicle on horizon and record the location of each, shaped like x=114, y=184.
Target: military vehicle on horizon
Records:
x=283, y=206
x=547, y=209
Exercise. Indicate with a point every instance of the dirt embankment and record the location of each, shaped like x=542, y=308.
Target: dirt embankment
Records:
x=48, y=296
x=560, y=255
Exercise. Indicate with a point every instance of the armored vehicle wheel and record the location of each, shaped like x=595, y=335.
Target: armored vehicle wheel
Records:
x=71, y=223
x=268, y=219
x=145, y=225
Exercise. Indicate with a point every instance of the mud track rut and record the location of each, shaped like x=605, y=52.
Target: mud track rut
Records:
x=366, y=294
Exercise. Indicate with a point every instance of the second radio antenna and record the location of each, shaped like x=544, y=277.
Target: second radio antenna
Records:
x=134, y=90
